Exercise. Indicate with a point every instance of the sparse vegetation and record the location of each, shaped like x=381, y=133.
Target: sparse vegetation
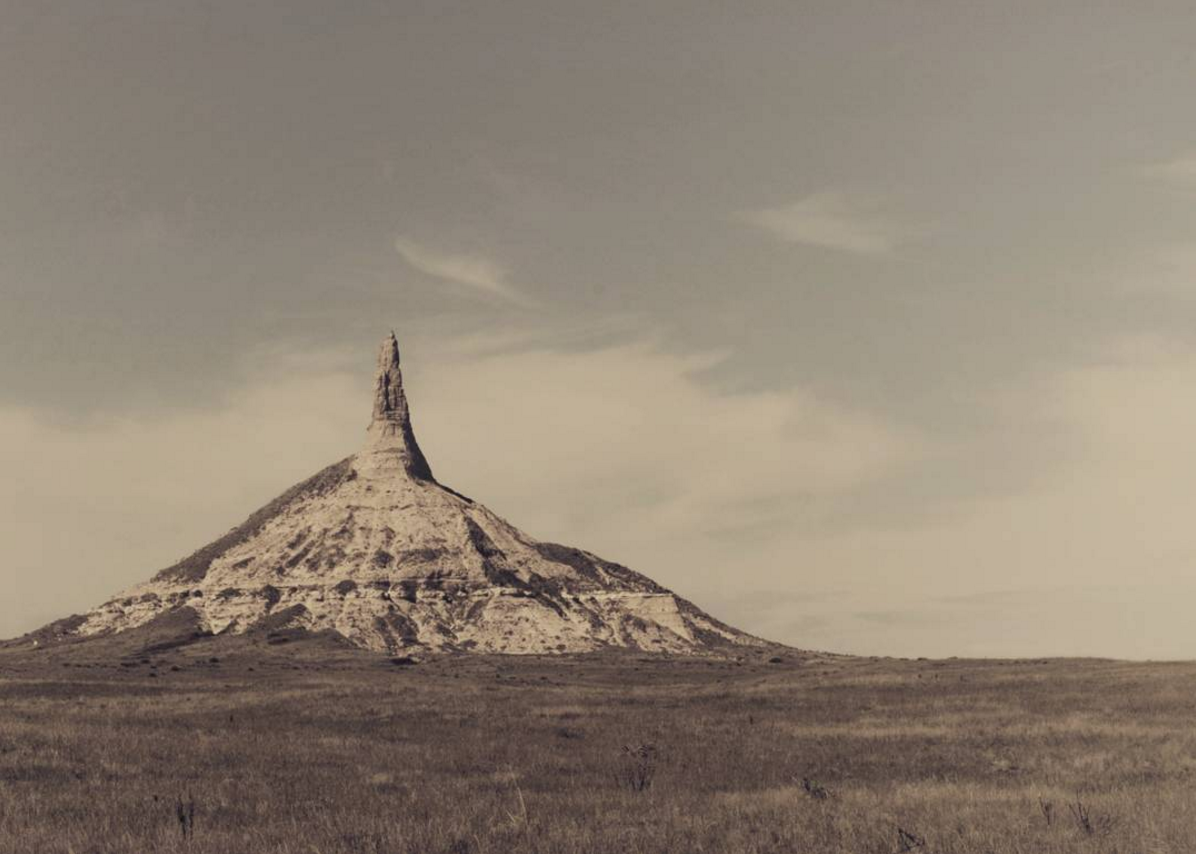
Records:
x=336, y=752
x=184, y=811
x=907, y=841
x=639, y=767
x=814, y=789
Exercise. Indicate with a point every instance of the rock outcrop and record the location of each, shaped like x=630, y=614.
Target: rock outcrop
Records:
x=373, y=548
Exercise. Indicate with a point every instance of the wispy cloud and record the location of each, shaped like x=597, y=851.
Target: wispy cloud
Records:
x=1180, y=170
x=1168, y=269
x=621, y=426
x=470, y=270
x=848, y=222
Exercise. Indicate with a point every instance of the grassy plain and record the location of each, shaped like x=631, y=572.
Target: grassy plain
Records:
x=304, y=748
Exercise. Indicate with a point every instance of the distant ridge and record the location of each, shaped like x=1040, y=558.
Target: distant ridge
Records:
x=374, y=551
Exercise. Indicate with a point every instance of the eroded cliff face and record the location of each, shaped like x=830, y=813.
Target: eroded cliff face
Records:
x=374, y=548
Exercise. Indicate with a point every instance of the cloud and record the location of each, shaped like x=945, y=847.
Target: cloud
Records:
x=1112, y=526
x=835, y=220
x=1180, y=170
x=1168, y=270
x=470, y=270
x=1147, y=620
x=644, y=449
x=89, y=508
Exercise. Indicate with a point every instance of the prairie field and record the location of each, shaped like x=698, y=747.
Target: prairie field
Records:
x=306, y=748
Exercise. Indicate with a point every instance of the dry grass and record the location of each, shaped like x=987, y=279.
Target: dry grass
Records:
x=306, y=754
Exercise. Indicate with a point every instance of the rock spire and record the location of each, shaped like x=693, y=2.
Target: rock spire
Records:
x=390, y=441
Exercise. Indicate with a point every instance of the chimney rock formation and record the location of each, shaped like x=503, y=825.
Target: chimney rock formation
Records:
x=373, y=548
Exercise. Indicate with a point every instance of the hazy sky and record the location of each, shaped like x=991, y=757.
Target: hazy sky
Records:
x=867, y=326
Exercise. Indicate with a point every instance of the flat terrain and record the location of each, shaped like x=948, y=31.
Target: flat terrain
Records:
x=309, y=747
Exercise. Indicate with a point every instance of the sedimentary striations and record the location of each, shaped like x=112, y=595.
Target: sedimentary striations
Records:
x=373, y=548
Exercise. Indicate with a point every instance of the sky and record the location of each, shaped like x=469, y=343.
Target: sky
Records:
x=868, y=327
